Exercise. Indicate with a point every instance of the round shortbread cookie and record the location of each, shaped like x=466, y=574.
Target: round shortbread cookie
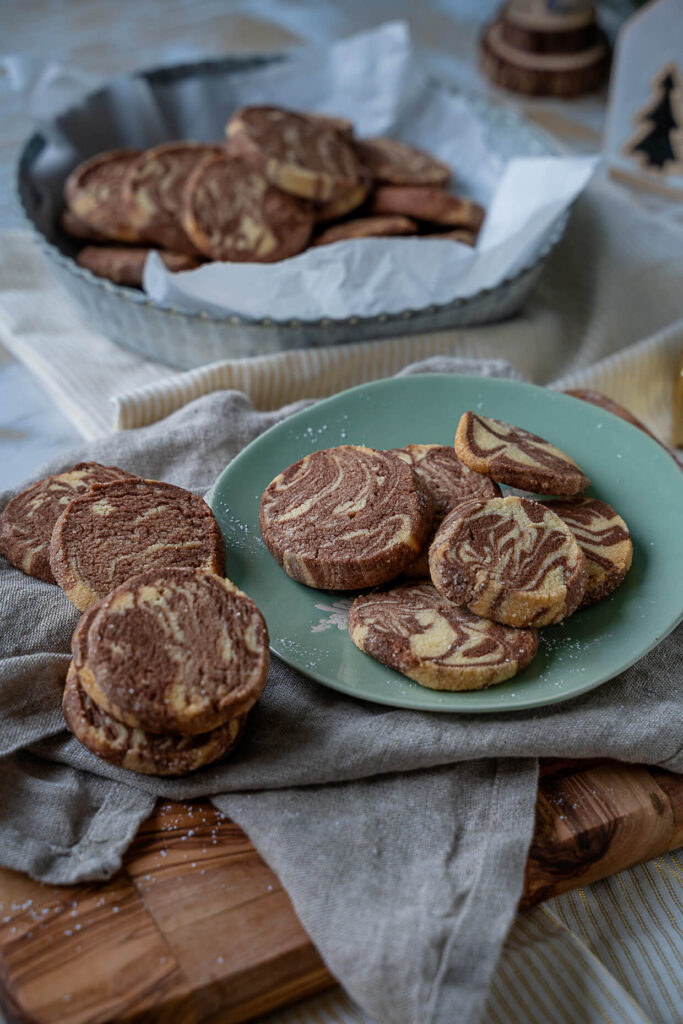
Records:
x=392, y=162
x=386, y=226
x=120, y=529
x=94, y=193
x=603, y=537
x=125, y=264
x=27, y=521
x=449, y=481
x=140, y=751
x=345, y=518
x=509, y=559
x=337, y=124
x=296, y=153
x=74, y=227
x=232, y=213
x=154, y=191
x=173, y=651
x=418, y=632
x=428, y=204
x=511, y=455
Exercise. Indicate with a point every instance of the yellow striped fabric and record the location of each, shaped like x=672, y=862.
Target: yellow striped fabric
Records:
x=610, y=953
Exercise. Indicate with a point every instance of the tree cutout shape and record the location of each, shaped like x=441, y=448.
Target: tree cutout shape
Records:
x=658, y=140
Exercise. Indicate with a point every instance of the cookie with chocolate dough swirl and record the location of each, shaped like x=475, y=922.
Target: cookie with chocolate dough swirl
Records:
x=122, y=528
x=509, y=559
x=418, y=632
x=176, y=651
x=345, y=518
x=514, y=456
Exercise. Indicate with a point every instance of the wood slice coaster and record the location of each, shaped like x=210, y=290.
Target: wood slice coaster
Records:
x=549, y=73
x=196, y=928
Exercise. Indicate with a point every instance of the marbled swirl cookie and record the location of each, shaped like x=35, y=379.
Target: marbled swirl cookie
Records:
x=389, y=226
x=392, y=162
x=232, y=213
x=125, y=264
x=173, y=651
x=604, y=539
x=345, y=518
x=433, y=205
x=140, y=751
x=418, y=632
x=509, y=559
x=516, y=457
x=300, y=155
x=449, y=481
x=119, y=529
x=94, y=193
x=27, y=521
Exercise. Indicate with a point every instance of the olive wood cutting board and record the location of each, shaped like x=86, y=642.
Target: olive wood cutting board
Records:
x=196, y=928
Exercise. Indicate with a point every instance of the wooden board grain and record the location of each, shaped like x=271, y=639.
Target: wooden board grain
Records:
x=196, y=928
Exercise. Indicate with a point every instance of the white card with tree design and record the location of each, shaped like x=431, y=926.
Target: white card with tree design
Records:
x=644, y=128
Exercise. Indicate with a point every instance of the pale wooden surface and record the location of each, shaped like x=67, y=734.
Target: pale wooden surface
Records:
x=197, y=928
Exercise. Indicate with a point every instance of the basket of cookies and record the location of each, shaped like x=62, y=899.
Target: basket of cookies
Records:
x=205, y=211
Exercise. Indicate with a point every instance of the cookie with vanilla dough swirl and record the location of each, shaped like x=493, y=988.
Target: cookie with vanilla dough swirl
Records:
x=514, y=456
x=511, y=560
x=418, y=632
x=345, y=518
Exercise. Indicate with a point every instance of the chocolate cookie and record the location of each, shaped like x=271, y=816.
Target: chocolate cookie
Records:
x=449, y=482
x=173, y=651
x=231, y=213
x=94, y=194
x=516, y=457
x=343, y=204
x=298, y=154
x=509, y=559
x=416, y=631
x=367, y=227
x=392, y=162
x=154, y=191
x=119, y=529
x=604, y=539
x=337, y=124
x=140, y=751
x=456, y=235
x=125, y=264
x=428, y=204
x=345, y=518
x=27, y=521
x=74, y=227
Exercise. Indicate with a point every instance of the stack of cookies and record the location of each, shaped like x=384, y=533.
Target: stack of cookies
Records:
x=169, y=656
x=484, y=570
x=280, y=182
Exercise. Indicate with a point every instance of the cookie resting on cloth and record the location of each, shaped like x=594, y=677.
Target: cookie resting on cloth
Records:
x=297, y=154
x=345, y=518
x=173, y=651
x=27, y=521
x=154, y=189
x=449, y=481
x=94, y=193
x=232, y=213
x=418, y=632
x=429, y=204
x=120, y=529
x=139, y=751
x=509, y=559
x=392, y=162
x=514, y=456
x=603, y=537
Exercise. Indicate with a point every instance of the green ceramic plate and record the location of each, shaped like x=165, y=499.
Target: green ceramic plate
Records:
x=629, y=471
